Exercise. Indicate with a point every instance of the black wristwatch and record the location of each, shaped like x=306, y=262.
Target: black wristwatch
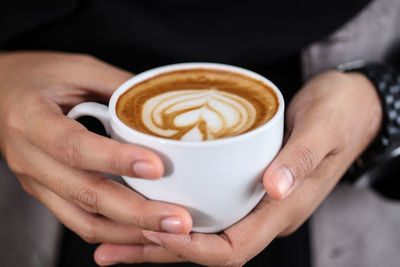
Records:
x=379, y=165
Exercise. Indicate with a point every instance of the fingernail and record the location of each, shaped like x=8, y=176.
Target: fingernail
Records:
x=284, y=180
x=150, y=236
x=171, y=225
x=144, y=169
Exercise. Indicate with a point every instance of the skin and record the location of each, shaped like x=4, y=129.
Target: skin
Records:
x=58, y=161
x=329, y=123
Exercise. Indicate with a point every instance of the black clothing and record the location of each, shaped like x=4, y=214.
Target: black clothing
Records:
x=138, y=35
x=264, y=36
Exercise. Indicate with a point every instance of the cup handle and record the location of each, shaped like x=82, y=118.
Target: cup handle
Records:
x=96, y=110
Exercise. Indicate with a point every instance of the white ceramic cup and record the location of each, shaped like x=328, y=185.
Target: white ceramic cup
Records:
x=219, y=181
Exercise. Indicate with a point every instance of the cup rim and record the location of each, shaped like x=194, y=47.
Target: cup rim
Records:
x=185, y=66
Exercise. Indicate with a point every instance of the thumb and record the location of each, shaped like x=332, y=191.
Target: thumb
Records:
x=305, y=149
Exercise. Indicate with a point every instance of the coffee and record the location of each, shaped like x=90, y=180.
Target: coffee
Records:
x=197, y=104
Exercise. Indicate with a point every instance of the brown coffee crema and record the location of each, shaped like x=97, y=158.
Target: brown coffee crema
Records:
x=197, y=105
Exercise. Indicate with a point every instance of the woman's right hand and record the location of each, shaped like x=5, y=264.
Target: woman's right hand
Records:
x=59, y=162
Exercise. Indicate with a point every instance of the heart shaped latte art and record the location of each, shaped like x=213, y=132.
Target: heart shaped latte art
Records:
x=198, y=114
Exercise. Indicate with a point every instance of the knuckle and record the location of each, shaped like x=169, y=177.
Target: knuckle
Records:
x=141, y=216
x=15, y=166
x=290, y=230
x=87, y=198
x=15, y=163
x=178, y=255
x=140, y=219
x=54, y=182
x=305, y=160
x=88, y=233
x=117, y=164
x=84, y=58
x=235, y=259
x=71, y=147
x=13, y=123
x=27, y=187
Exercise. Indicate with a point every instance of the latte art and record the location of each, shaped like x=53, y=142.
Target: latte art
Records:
x=197, y=105
x=196, y=115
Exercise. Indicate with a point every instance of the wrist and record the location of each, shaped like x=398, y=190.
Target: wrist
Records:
x=386, y=82
x=369, y=94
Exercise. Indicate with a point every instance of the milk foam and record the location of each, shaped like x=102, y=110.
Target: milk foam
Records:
x=198, y=114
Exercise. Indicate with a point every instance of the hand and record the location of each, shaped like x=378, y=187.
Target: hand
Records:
x=59, y=162
x=329, y=123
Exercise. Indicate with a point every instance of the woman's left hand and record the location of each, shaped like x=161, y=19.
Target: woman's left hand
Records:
x=329, y=123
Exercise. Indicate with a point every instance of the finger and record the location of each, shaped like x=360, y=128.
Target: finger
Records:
x=97, y=194
x=251, y=235
x=235, y=246
x=77, y=70
x=81, y=71
x=244, y=240
x=71, y=143
x=99, y=76
x=205, y=249
x=90, y=227
x=109, y=254
x=307, y=145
